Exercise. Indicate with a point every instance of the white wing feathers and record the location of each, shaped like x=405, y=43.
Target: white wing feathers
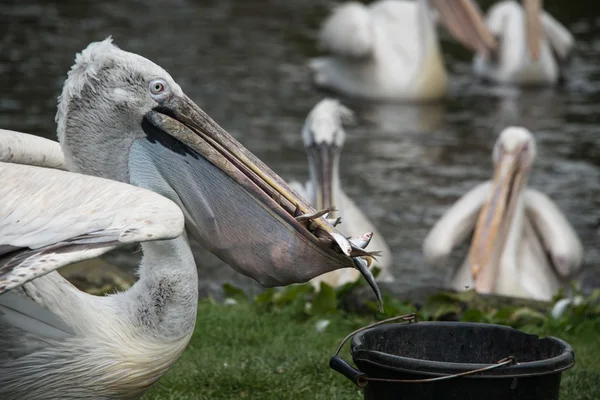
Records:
x=455, y=225
x=51, y=218
x=556, y=233
x=348, y=32
x=560, y=39
x=22, y=148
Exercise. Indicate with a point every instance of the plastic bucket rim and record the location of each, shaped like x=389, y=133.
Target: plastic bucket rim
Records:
x=504, y=372
x=561, y=362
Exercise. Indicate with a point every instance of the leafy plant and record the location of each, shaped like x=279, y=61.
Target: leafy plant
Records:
x=306, y=302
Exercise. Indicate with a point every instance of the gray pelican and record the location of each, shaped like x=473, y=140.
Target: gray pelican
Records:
x=533, y=47
x=389, y=50
x=522, y=245
x=324, y=136
x=123, y=118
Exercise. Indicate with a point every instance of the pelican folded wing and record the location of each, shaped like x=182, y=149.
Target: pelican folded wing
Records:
x=51, y=218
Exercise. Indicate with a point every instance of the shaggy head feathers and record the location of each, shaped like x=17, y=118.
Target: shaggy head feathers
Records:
x=512, y=140
x=324, y=124
x=102, y=105
x=111, y=74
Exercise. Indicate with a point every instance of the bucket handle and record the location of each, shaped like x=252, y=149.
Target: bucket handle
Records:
x=360, y=379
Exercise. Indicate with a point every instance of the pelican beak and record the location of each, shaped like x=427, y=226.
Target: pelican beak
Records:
x=494, y=220
x=464, y=20
x=324, y=159
x=234, y=205
x=533, y=27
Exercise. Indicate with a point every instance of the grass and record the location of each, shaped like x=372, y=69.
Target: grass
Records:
x=247, y=351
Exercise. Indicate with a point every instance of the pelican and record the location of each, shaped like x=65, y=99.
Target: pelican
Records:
x=522, y=245
x=533, y=47
x=389, y=50
x=147, y=165
x=323, y=136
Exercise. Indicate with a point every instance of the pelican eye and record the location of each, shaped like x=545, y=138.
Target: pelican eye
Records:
x=158, y=87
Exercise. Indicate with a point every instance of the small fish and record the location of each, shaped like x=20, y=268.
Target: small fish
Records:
x=362, y=241
x=344, y=244
x=334, y=221
x=358, y=252
x=318, y=214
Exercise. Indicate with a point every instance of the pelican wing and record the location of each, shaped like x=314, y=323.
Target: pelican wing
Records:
x=348, y=32
x=535, y=277
x=51, y=218
x=556, y=234
x=22, y=148
x=560, y=39
x=455, y=225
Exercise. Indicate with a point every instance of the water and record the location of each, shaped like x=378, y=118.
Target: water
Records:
x=244, y=63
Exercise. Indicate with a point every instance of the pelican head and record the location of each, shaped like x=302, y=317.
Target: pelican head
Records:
x=513, y=156
x=324, y=137
x=122, y=117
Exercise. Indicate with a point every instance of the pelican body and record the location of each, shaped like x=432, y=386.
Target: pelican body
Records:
x=146, y=165
x=389, y=50
x=324, y=136
x=532, y=47
x=522, y=245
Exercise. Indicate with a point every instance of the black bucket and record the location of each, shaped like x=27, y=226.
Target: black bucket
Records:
x=465, y=360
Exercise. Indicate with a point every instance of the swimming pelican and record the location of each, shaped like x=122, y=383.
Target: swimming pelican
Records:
x=122, y=117
x=389, y=50
x=522, y=246
x=323, y=136
x=533, y=47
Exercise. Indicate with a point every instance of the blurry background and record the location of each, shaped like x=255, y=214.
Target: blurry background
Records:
x=244, y=62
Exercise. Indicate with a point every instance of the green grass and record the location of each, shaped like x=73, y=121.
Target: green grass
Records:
x=582, y=381
x=245, y=351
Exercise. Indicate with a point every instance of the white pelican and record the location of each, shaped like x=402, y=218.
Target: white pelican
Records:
x=124, y=118
x=389, y=50
x=323, y=136
x=532, y=49
x=522, y=246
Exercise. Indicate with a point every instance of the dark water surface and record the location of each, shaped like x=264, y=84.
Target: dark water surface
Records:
x=244, y=63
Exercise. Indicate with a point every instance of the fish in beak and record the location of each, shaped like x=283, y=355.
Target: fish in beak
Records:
x=512, y=165
x=533, y=27
x=464, y=20
x=235, y=206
